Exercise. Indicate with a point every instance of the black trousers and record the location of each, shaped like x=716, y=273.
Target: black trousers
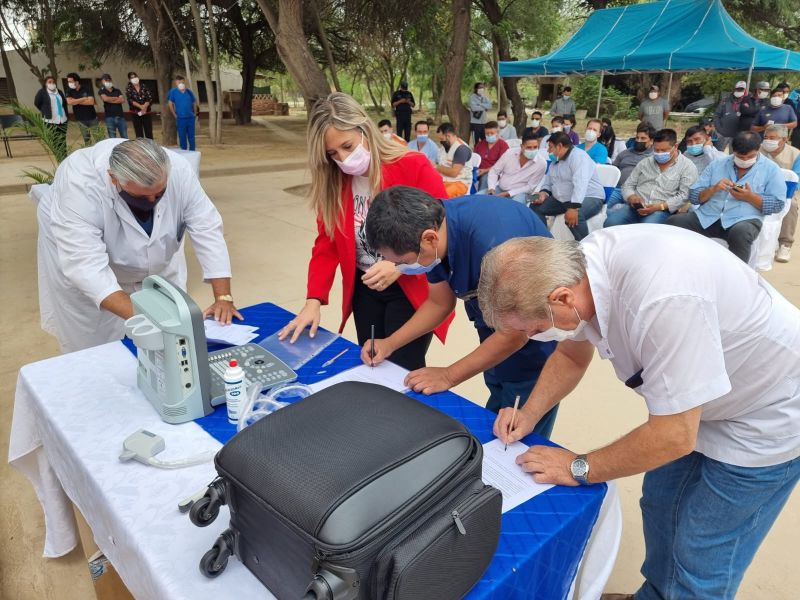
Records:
x=478, y=132
x=740, y=236
x=404, y=126
x=143, y=126
x=388, y=310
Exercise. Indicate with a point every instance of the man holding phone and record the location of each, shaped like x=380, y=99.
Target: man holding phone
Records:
x=734, y=194
x=657, y=186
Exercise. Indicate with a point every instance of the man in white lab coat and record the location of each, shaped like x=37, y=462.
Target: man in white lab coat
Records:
x=116, y=213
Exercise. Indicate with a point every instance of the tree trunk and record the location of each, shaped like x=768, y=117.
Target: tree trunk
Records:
x=12, y=89
x=375, y=103
x=454, y=61
x=157, y=35
x=49, y=38
x=212, y=29
x=290, y=41
x=502, y=97
x=326, y=46
x=205, y=69
x=244, y=114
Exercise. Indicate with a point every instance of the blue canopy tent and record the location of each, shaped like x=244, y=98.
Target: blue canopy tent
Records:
x=662, y=36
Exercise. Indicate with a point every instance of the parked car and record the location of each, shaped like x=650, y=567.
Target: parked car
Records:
x=700, y=106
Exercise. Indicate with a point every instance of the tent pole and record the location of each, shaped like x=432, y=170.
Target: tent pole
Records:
x=669, y=89
x=599, y=95
x=750, y=71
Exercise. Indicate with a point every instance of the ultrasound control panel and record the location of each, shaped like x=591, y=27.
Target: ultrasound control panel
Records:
x=260, y=368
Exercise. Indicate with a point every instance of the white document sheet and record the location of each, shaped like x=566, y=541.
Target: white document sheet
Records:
x=500, y=471
x=386, y=374
x=229, y=334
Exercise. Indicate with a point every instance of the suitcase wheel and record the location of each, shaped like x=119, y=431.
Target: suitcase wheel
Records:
x=205, y=510
x=215, y=560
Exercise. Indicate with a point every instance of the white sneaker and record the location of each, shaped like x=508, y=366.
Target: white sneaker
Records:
x=784, y=254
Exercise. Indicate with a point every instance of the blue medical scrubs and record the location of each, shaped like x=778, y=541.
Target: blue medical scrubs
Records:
x=475, y=225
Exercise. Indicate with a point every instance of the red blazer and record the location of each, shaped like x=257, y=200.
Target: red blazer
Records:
x=415, y=170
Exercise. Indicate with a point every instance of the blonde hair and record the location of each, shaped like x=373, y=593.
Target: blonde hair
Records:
x=344, y=113
x=518, y=276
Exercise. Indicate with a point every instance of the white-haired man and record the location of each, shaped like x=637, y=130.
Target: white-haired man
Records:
x=116, y=213
x=714, y=351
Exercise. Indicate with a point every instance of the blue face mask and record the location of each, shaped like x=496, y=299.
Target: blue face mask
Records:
x=695, y=149
x=491, y=139
x=552, y=157
x=530, y=154
x=418, y=269
x=662, y=157
x=423, y=137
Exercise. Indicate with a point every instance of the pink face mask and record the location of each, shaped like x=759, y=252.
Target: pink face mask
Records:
x=357, y=162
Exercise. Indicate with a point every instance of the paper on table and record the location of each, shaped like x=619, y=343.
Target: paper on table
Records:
x=500, y=471
x=229, y=334
x=387, y=374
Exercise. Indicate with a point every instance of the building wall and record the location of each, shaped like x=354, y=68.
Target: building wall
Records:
x=27, y=85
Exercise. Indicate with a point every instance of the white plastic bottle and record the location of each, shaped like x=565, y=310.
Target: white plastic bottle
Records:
x=235, y=390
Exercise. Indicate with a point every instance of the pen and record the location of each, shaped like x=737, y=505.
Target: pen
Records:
x=328, y=363
x=372, y=350
x=513, y=418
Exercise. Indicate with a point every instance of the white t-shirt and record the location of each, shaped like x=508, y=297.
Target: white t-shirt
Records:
x=700, y=327
x=362, y=196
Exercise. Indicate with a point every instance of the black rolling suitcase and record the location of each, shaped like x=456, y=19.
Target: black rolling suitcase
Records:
x=355, y=492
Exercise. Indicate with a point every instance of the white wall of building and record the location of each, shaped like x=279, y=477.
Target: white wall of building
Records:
x=118, y=67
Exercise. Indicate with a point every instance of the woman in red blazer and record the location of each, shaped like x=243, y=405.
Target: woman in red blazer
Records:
x=350, y=162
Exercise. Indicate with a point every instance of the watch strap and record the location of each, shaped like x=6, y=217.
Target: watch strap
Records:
x=225, y=297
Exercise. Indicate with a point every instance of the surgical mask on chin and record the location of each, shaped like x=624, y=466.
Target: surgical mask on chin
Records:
x=770, y=145
x=530, y=154
x=662, y=157
x=387, y=135
x=357, y=162
x=554, y=334
x=776, y=100
x=744, y=164
x=590, y=135
x=491, y=139
x=140, y=203
x=418, y=269
x=51, y=87
x=695, y=149
x=738, y=94
x=535, y=123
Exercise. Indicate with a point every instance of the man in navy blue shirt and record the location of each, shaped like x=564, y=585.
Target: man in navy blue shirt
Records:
x=447, y=241
x=185, y=108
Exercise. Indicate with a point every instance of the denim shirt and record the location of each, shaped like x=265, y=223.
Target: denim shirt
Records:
x=765, y=179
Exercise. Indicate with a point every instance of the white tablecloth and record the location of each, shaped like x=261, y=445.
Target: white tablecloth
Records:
x=71, y=414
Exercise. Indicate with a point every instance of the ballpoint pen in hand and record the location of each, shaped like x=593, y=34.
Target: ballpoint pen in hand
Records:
x=372, y=347
x=513, y=418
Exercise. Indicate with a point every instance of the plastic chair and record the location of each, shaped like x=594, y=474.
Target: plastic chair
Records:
x=609, y=176
x=475, y=161
x=765, y=245
x=12, y=127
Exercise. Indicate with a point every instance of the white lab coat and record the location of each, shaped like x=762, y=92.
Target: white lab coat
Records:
x=90, y=244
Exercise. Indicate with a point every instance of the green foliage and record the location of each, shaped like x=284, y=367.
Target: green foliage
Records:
x=614, y=104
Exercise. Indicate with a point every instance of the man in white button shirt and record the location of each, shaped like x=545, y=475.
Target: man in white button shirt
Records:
x=715, y=353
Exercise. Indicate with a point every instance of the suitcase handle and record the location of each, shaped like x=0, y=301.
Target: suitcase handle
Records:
x=333, y=583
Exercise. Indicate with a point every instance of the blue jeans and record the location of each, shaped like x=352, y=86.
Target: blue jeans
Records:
x=627, y=215
x=552, y=207
x=502, y=394
x=186, y=132
x=615, y=200
x=522, y=197
x=703, y=522
x=114, y=124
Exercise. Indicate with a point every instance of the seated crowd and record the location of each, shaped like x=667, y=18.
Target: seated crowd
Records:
x=687, y=183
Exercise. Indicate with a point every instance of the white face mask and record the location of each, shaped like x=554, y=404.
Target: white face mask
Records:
x=590, y=135
x=776, y=101
x=51, y=87
x=744, y=164
x=181, y=86
x=357, y=161
x=653, y=95
x=738, y=94
x=108, y=85
x=387, y=135
x=135, y=80
x=502, y=123
x=72, y=85
x=535, y=123
x=556, y=129
x=481, y=91
x=770, y=145
x=763, y=95
x=418, y=269
x=554, y=334
x=530, y=154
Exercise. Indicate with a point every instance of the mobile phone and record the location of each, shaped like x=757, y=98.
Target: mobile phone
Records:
x=638, y=205
x=738, y=186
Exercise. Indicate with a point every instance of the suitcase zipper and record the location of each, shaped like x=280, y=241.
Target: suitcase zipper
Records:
x=457, y=519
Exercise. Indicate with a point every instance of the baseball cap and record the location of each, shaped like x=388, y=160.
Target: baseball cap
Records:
x=764, y=85
x=741, y=85
x=106, y=77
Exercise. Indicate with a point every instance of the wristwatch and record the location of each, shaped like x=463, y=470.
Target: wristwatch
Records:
x=580, y=469
x=226, y=297
x=664, y=206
